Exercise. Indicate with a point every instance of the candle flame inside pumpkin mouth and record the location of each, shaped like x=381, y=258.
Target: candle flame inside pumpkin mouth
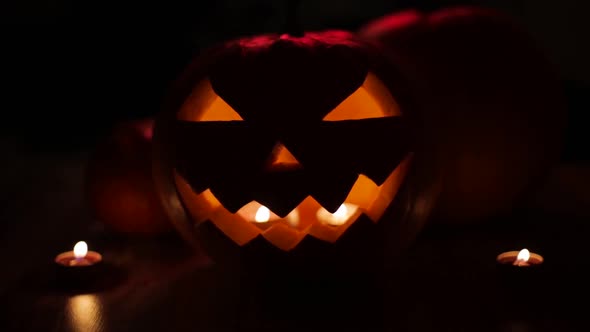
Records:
x=262, y=214
x=285, y=233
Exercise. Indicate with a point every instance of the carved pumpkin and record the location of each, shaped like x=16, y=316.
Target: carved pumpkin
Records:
x=289, y=143
x=495, y=110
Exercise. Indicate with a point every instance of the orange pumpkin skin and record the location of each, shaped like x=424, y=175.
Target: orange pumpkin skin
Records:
x=494, y=107
x=119, y=185
x=285, y=85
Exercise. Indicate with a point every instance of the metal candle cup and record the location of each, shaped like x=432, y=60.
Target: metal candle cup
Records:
x=78, y=267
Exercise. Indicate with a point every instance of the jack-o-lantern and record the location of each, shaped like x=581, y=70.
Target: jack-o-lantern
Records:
x=291, y=143
x=495, y=110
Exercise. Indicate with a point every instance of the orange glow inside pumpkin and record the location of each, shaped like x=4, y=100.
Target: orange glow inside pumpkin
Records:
x=285, y=233
x=371, y=100
x=281, y=157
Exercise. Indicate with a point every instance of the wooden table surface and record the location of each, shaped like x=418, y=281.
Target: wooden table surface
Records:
x=447, y=281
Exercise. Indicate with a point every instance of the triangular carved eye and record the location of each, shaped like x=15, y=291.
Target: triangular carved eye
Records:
x=371, y=100
x=205, y=105
x=219, y=110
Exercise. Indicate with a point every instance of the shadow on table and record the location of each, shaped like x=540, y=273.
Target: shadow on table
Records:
x=294, y=303
x=50, y=280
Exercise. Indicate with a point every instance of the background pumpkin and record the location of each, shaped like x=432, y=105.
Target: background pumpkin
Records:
x=323, y=110
x=119, y=185
x=495, y=107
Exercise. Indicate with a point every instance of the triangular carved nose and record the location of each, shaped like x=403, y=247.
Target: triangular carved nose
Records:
x=281, y=159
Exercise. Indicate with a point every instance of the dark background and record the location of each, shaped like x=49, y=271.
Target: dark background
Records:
x=70, y=69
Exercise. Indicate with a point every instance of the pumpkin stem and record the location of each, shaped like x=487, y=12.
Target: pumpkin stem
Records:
x=292, y=25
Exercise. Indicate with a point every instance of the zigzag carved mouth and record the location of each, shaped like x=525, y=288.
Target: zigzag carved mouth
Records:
x=308, y=218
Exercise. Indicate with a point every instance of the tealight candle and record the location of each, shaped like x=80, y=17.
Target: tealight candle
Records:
x=521, y=271
x=523, y=258
x=79, y=257
x=78, y=267
x=524, y=282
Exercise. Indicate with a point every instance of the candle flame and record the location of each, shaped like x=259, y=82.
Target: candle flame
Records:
x=339, y=217
x=80, y=249
x=341, y=212
x=262, y=215
x=523, y=256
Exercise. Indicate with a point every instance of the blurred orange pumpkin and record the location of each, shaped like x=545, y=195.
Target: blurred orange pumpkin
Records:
x=119, y=186
x=494, y=108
